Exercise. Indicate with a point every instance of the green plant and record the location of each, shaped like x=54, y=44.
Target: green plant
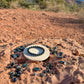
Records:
x=4, y=4
x=81, y=15
x=43, y=4
x=60, y=1
x=74, y=8
x=14, y=4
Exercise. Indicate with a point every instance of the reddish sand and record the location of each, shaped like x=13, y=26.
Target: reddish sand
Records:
x=23, y=27
x=21, y=24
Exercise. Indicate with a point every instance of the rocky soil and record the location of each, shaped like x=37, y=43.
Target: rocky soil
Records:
x=64, y=31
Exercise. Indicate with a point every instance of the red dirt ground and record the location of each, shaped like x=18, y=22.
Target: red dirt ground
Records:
x=23, y=24
x=22, y=27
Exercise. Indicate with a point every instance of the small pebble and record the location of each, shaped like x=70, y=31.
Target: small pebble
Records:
x=17, y=55
x=41, y=74
x=62, y=62
x=61, y=53
x=25, y=65
x=11, y=76
x=11, y=73
x=21, y=48
x=9, y=66
x=15, y=66
x=50, y=66
x=18, y=67
x=14, y=79
x=14, y=56
x=35, y=74
x=44, y=71
x=48, y=70
x=37, y=69
x=19, y=72
x=12, y=63
x=53, y=72
x=65, y=63
x=15, y=51
x=18, y=75
x=44, y=65
x=54, y=52
x=64, y=56
x=54, y=48
x=47, y=46
x=58, y=56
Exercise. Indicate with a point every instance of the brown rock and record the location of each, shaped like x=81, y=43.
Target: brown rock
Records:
x=75, y=52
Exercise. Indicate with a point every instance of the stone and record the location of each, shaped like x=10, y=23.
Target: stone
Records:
x=37, y=69
x=18, y=75
x=19, y=68
x=41, y=74
x=64, y=56
x=17, y=55
x=45, y=71
x=65, y=63
x=54, y=48
x=19, y=72
x=15, y=73
x=47, y=46
x=9, y=66
x=19, y=50
x=53, y=72
x=15, y=65
x=11, y=76
x=35, y=74
x=54, y=52
x=62, y=62
x=58, y=56
x=15, y=51
x=48, y=70
x=11, y=73
x=22, y=48
x=12, y=63
x=14, y=79
x=61, y=53
x=14, y=56
x=49, y=66
x=44, y=65
x=25, y=65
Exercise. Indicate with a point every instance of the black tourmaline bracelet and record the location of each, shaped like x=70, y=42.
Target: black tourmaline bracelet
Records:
x=34, y=53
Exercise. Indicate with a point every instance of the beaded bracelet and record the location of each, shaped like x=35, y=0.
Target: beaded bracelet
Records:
x=34, y=53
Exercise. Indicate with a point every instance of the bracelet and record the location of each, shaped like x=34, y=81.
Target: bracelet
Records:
x=34, y=53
